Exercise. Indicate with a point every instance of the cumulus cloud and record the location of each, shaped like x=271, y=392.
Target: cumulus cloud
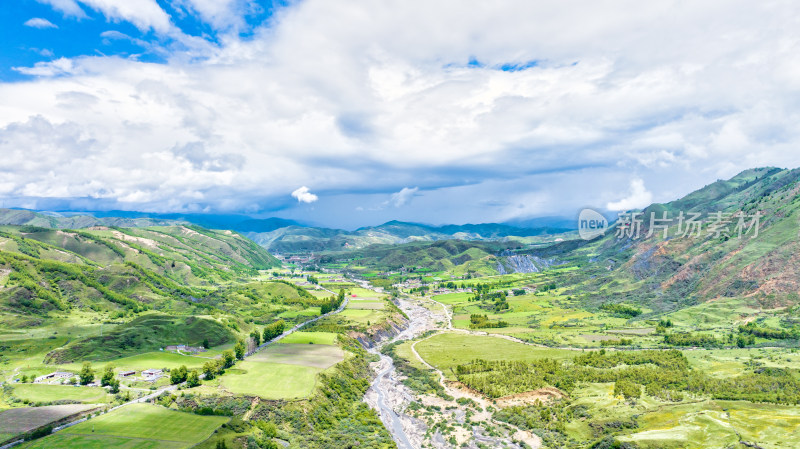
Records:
x=38, y=22
x=377, y=96
x=403, y=197
x=144, y=14
x=637, y=198
x=304, y=196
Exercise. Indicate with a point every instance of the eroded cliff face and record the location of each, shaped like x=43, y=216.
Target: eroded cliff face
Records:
x=382, y=332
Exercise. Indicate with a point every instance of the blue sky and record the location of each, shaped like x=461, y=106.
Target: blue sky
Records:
x=354, y=113
x=32, y=31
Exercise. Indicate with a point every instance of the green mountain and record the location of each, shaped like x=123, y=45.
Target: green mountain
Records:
x=21, y=217
x=119, y=270
x=298, y=239
x=680, y=270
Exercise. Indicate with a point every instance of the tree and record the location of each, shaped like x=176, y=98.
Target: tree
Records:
x=87, y=374
x=206, y=344
x=24, y=378
x=193, y=379
x=256, y=336
x=221, y=444
x=210, y=369
x=273, y=330
x=228, y=358
x=179, y=375
x=240, y=349
x=108, y=376
x=114, y=384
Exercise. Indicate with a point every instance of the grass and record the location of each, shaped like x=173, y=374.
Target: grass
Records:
x=365, y=305
x=719, y=424
x=270, y=380
x=147, y=360
x=49, y=393
x=21, y=420
x=317, y=338
x=145, y=333
x=447, y=350
x=362, y=316
x=136, y=426
x=313, y=355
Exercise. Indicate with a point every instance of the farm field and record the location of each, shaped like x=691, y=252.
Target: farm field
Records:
x=49, y=393
x=448, y=349
x=136, y=426
x=270, y=380
x=313, y=355
x=20, y=420
x=317, y=338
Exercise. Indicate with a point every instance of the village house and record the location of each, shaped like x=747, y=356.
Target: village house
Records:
x=152, y=374
x=126, y=373
x=55, y=375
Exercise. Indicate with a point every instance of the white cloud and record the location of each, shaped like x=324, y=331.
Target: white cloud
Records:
x=637, y=198
x=304, y=196
x=60, y=66
x=69, y=8
x=38, y=22
x=221, y=14
x=144, y=14
x=403, y=197
x=372, y=97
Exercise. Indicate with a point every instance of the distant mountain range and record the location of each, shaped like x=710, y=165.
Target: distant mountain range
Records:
x=297, y=239
x=287, y=236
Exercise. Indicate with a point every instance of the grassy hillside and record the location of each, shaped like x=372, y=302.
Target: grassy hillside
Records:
x=297, y=239
x=120, y=270
x=150, y=332
x=679, y=271
x=454, y=255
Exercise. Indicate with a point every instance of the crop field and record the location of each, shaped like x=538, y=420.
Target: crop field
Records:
x=313, y=355
x=317, y=338
x=362, y=316
x=446, y=350
x=270, y=380
x=49, y=393
x=20, y=420
x=365, y=304
x=136, y=426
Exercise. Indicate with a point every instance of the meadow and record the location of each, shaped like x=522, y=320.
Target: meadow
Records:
x=135, y=426
x=49, y=393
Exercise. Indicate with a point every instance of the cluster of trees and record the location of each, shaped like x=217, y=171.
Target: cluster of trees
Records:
x=621, y=310
x=691, y=339
x=496, y=299
x=477, y=321
x=273, y=330
x=332, y=304
x=182, y=374
x=215, y=367
x=662, y=374
x=620, y=342
x=547, y=287
x=752, y=328
x=109, y=379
